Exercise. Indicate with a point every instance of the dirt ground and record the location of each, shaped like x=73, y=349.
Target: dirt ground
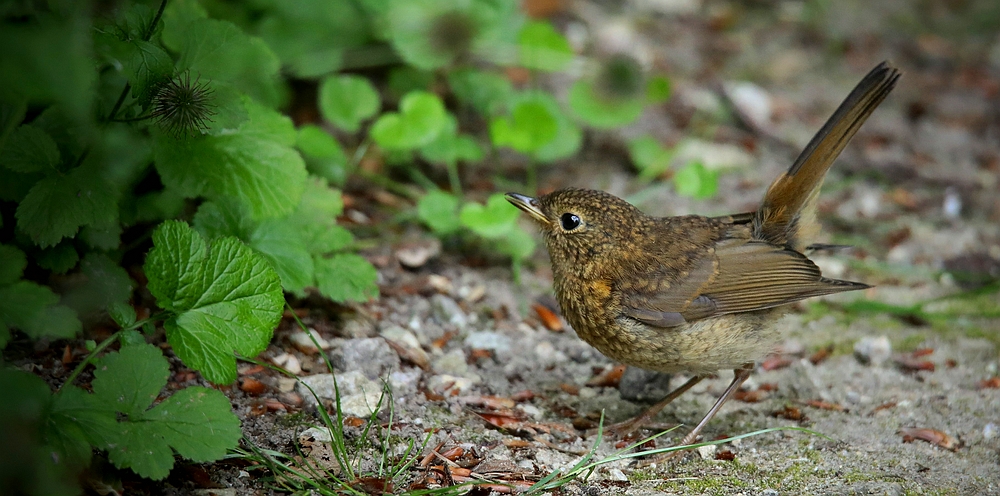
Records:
x=895, y=380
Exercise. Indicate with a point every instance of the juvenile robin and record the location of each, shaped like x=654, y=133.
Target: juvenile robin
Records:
x=696, y=294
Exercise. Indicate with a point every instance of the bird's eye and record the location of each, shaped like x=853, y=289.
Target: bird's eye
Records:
x=569, y=221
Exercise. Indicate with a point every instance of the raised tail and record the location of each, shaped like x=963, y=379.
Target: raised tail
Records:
x=787, y=215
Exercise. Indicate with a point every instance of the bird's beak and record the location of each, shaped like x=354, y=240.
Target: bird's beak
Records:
x=529, y=205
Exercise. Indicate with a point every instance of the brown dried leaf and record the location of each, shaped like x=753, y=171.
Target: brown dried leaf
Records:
x=570, y=388
x=609, y=377
x=991, y=383
x=750, y=396
x=932, y=436
x=825, y=405
x=790, y=413
x=821, y=355
x=775, y=362
x=909, y=363
x=883, y=406
x=252, y=386
x=725, y=455
x=491, y=402
x=549, y=319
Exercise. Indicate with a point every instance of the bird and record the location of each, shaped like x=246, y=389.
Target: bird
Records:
x=695, y=294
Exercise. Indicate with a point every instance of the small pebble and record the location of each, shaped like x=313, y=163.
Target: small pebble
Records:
x=617, y=475
x=447, y=311
x=289, y=362
x=707, y=452
x=415, y=254
x=452, y=363
x=873, y=350
x=488, y=340
x=990, y=431
x=531, y=410
x=302, y=341
x=769, y=492
x=316, y=435
x=952, y=206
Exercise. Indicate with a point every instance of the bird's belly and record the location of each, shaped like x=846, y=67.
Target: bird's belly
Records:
x=700, y=347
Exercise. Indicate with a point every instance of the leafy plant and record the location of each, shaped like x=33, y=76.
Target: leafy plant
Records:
x=156, y=127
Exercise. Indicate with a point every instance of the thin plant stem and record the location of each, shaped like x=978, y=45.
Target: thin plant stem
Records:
x=531, y=178
x=454, y=178
x=104, y=344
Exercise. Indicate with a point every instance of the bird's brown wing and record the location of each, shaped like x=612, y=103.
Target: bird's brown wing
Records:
x=738, y=276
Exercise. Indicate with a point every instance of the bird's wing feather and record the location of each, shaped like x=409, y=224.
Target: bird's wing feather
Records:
x=738, y=276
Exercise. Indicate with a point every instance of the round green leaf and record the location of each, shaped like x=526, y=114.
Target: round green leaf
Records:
x=695, y=180
x=494, y=220
x=657, y=89
x=420, y=118
x=543, y=48
x=345, y=101
x=602, y=112
x=531, y=126
x=439, y=210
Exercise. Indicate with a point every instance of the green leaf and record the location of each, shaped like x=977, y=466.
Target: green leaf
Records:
x=105, y=238
x=345, y=101
x=695, y=180
x=316, y=219
x=658, y=89
x=144, y=65
x=131, y=337
x=224, y=217
x=39, y=460
x=281, y=244
x=494, y=220
x=421, y=117
x=323, y=154
x=129, y=381
x=487, y=92
x=602, y=112
x=59, y=259
x=12, y=264
x=568, y=136
x=225, y=299
x=449, y=147
x=530, y=127
x=650, y=157
x=101, y=283
x=311, y=36
x=346, y=277
x=48, y=59
x=156, y=206
x=543, y=48
x=219, y=50
x=430, y=34
x=35, y=310
x=29, y=149
x=57, y=206
x=197, y=422
x=14, y=186
x=403, y=80
x=78, y=421
x=517, y=244
x=122, y=313
x=439, y=210
x=255, y=164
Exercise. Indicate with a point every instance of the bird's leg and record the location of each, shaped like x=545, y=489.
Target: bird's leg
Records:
x=741, y=375
x=623, y=429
